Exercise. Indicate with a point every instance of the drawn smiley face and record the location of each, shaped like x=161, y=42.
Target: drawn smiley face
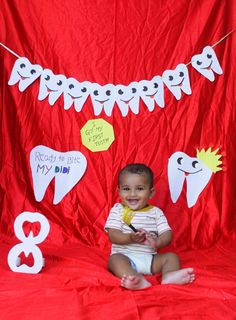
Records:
x=207, y=63
x=51, y=85
x=127, y=97
x=76, y=93
x=181, y=167
x=103, y=97
x=24, y=73
x=152, y=91
x=177, y=80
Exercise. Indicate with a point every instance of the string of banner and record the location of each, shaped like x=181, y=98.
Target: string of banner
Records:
x=104, y=97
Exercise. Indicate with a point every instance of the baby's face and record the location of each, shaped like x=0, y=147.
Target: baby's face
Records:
x=135, y=190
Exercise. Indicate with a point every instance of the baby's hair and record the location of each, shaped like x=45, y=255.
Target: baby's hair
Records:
x=137, y=168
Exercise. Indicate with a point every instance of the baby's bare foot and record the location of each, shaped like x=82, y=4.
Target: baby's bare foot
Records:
x=134, y=282
x=182, y=276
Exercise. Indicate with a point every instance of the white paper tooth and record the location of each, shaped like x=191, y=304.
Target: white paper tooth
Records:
x=76, y=93
x=103, y=98
x=127, y=97
x=67, y=168
x=177, y=80
x=194, y=188
x=196, y=173
x=51, y=86
x=25, y=73
x=206, y=63
x=151, y=92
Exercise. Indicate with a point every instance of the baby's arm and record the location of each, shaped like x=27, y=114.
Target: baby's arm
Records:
x=118, y=237
x=158, y=242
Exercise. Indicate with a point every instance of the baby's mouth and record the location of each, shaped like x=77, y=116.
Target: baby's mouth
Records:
x=133, y=202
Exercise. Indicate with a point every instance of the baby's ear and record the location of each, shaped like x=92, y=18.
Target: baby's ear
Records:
x=153, y=191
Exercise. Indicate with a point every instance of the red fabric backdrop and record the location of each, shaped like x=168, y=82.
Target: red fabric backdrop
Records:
x=111, y=41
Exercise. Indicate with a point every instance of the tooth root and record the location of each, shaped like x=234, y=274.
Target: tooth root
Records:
x=68, y=101
x=176, y=181
x=195, y=185
x=64, y=184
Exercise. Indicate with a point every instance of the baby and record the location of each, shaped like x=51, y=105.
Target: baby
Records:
x=135, y=253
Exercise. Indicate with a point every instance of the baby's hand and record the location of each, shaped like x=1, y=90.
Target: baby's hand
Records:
x=151, y=239
x=138, y=237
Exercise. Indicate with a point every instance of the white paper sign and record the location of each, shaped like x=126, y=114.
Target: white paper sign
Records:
x=66, y=167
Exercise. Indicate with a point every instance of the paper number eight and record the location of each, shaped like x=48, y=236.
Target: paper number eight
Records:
x=29, y=244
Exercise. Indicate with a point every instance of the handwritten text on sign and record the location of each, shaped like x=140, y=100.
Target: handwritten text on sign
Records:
x=97, y=135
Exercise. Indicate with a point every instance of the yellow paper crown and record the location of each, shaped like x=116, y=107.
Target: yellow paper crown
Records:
x=210, y=158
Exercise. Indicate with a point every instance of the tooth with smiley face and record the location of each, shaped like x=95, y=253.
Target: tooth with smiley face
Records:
x=127, y=97
x=197, y=172
x=76, y=93
x=177, y=80
x=151, y=92
x=102, y=98
x=51, y=86
x=207, y=63
x=25, y=73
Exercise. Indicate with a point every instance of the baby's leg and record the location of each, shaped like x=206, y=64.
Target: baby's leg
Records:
x=168, y=264
x=120, y=266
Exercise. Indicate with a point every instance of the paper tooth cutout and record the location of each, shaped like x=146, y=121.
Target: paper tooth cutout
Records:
x=51, y=85
x=25, y=73
x=66, y=167
x=29, y=243
x=127, y=97
x=76, y=93
x=103, y=98
x=151, y=92
x=196, y=171
x=206, y=63
x=177, y=80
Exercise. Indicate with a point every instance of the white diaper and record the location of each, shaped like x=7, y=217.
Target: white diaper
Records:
x=141, y=263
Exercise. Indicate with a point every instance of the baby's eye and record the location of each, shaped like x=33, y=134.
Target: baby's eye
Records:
x=125, y=189
x=140, y=188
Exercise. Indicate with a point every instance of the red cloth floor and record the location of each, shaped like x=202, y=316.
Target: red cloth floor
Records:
x=75, y=284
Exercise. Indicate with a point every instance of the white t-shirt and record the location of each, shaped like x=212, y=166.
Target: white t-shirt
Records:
x=152, y=220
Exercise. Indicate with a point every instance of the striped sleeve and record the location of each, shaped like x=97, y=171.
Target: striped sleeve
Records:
x=161, y=222
x=114, y=218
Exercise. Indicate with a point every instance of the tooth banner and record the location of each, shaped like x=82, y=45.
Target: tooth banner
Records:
x=104, y=98
x=66, y=167
x=196, y=171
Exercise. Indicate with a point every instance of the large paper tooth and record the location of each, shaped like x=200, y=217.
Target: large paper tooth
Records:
x=206, y=63
x=103, y=98
x=67, y=168
x=25, y=73
x=177, y=80
x=76, y=93
x=151, y=92
x=197, y=175
x=127, y=97
x=51, y=86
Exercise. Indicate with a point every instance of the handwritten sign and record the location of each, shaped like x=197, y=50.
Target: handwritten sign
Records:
x=66, y=167
x=97, y=135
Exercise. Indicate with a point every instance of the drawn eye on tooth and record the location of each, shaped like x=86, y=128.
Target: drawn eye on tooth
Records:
x=195, y=164
x=22, y=65
x=209, y=56
x=180, y=160
x=59, y=83
x=145, y=88
x=33, y=71
x=47, y=78
x=71, y=86
x=199, y=62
